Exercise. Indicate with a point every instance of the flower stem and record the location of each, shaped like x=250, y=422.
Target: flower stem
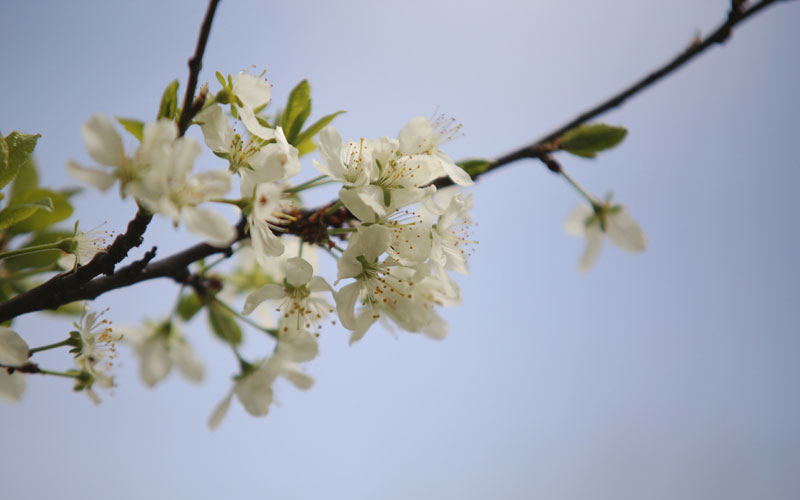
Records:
x=304, y=185
x=336, y=206
x=59, y=374
x=574, y=184
x=36, y=248
x=50, y=346
x=269, y=331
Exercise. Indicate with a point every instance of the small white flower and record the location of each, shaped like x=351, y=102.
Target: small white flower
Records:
x=611, y=220
x=300, y=304
x=87, y=245
x=104, y=145
x=97, y=351
x=254, y=389
x=420, y=137
x=159, y=347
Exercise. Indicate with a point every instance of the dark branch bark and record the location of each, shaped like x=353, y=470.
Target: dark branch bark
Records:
x=310, y=224
x=195, y=64
x=738, y=13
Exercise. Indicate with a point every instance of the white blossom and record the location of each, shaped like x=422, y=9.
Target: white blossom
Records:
x=300, y=304
x=613, y=221
x=104, y=145
x=159, y=348
x=97, y=351
x=254, y=389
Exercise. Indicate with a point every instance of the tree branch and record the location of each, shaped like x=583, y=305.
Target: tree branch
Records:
x=738, y=13
x=195, y=64
x=309, y=224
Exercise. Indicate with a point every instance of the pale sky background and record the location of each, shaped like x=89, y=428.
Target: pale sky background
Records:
x=670, y=374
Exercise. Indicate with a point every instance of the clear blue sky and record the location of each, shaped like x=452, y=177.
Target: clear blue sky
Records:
x=671, y=374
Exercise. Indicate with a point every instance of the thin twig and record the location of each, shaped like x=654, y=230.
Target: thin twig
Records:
x=737, y=14
x=195, y=64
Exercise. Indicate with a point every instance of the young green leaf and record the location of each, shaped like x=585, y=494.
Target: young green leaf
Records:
x=223, y=324
x=20, y=146
x=18, y=213
x=297, y=110
x=61, y=209
x=188, y=306
x=135, y=127
x=3, y=157
x=587, y=140
x=169, y=102
x=475, y=166
x=26, y=181
x=310, y=132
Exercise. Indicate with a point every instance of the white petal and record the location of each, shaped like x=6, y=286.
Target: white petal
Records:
x=594, y=245
x=186, y=361
x=249, y=119
x=346, y=303
x=264, y=241
x=217, y=131
x=13, y=350
x=298, y=271
x=96, y=178
x=154, y=361
x=457, y=174
x=330, y=150
x=255, y=392
x=365, y=202
x=299, y=346
x=575, y=224
x=103, y=141
x=299, y=380
x=318, y=284
x=11, y=386
x=213, y=227
x=253, y=91
x=219, y=412
x=185, y=152
x=266, y=292
x=374, y=240
x=625, y=232
x=416, y=136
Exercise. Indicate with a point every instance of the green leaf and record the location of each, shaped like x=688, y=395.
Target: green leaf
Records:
x=475, y=166
x=20, y=146
x=223, y=324
x=26, y=181
x=169, y=102
x=42, y=220
x=17, y=213
x=587, y=140
x=188, y=306
x=3, y=157
x=305, y=147
x=297, y=110
x=135, y=127
x=310, y=132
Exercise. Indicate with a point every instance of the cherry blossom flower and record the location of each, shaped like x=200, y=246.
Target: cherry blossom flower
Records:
x=159, y=348
x=606, y=219
x=254, y=388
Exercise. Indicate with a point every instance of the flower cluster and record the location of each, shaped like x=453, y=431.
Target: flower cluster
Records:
x=396, y=239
